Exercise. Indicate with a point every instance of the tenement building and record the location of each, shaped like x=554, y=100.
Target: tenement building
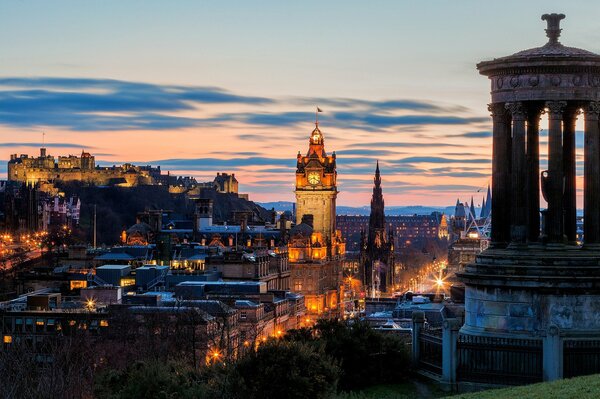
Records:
x=316, y=248
x=538, y=292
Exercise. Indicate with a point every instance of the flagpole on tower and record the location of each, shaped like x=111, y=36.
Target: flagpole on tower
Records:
x=317, y=116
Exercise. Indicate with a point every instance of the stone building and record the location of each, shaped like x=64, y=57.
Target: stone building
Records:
x=406, y=228
x=268, y=266
x=47, y=168
x=316, y=248
x=316, y=186
x=22, y=207
x=59, y=211
x=226, y=183
x=377, y=247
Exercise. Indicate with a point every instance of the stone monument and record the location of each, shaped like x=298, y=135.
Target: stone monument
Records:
x=527, y=285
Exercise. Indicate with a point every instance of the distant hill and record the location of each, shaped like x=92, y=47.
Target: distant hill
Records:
x=365, y=210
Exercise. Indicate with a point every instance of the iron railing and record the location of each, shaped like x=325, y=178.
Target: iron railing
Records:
x=430, y=351
x=581, y=357
x=494, y=360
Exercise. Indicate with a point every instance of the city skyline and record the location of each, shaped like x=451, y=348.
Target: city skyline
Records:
x=220, y=92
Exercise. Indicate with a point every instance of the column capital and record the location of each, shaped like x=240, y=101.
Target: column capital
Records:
x=497, y=111
x=534, y=112
x=555, y=109
x=592, y=110
x=516, y=109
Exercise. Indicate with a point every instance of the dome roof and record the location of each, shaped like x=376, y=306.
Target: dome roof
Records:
x=553, y=49
x=552, y=53
x=143, y=228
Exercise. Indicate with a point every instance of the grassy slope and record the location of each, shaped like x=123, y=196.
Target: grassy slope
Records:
x=587, y=387
x=579, y=388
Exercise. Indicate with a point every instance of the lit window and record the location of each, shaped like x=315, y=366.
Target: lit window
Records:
x=8, y=339
x=103, y=323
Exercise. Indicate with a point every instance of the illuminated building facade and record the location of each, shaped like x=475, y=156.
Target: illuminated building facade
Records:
x=316, y=249
x=406, y=228
x=47, y=168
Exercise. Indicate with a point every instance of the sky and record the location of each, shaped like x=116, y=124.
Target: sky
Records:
x=201, y=87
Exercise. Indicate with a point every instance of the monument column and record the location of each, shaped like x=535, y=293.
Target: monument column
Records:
x=570, y=171
x=555, y=186
x=518, y=216
x=533, y=173
x=501, y=167
x=591, y=175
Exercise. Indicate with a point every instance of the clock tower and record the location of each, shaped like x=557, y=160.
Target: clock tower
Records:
x=316, y=189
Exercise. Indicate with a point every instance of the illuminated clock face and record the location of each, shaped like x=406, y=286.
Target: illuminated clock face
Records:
x=314, y=178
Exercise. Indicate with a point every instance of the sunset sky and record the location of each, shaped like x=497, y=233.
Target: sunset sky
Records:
x=231, y=86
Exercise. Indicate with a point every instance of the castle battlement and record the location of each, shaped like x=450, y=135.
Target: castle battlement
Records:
x=47, y=168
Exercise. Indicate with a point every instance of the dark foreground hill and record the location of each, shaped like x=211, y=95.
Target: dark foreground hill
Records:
x=117, y=207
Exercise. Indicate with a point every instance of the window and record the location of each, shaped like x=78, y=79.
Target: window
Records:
x=7, y=339
x=103, y=323
x=298, y=285
x=243, y=315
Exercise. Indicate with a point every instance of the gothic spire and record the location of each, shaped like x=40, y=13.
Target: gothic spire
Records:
x=377, y=218
x=488, y=202
x=472, y=209
x=483, y=208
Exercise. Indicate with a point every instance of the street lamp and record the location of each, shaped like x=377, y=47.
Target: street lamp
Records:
x=90, y=304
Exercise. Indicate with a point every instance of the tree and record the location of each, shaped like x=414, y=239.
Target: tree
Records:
x=150, y=379
x=281, y=369
x=366, y=357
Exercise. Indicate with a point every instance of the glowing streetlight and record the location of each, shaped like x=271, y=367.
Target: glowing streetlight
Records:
x=90, y=304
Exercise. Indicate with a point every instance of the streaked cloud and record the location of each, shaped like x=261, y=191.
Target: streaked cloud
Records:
x=200, y=130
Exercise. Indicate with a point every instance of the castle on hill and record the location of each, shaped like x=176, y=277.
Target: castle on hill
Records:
x=47, y=168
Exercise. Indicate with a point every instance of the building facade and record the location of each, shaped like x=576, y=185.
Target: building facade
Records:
x=316, y=248
x=406, y=228
x=316, y=189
